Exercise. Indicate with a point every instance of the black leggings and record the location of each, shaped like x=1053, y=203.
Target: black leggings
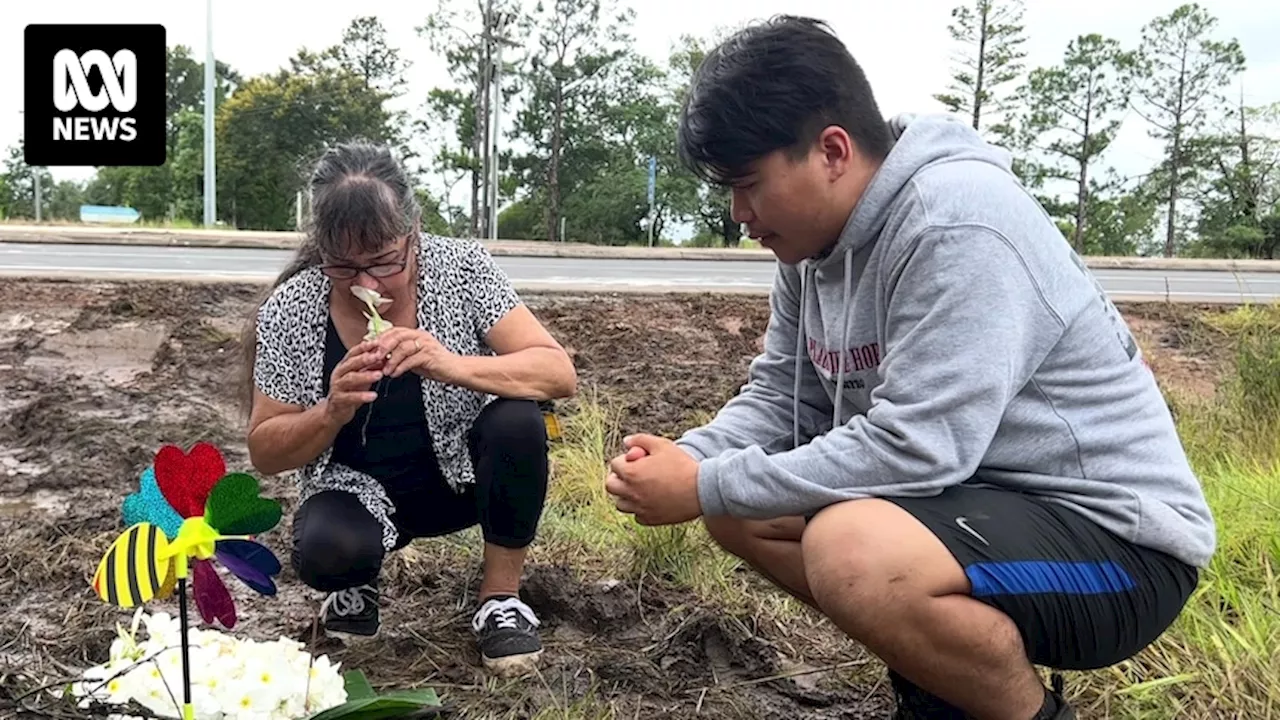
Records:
x=337, y=544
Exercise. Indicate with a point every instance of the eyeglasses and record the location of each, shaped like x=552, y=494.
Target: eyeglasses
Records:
x=379, y=270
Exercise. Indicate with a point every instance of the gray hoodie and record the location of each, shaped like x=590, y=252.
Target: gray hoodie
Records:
x=952, y=335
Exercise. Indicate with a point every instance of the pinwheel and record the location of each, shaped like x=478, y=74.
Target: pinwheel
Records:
x=193, y=496
x=187, y=511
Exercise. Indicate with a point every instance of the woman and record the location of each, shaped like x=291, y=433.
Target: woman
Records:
x=430, y=427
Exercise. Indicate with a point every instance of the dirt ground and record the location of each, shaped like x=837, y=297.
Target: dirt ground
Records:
x=97, y=376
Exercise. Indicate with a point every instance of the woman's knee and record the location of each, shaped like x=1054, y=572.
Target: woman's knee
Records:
x=336, y=545
x=336, y=558
x=512, y=471
x=513, y=422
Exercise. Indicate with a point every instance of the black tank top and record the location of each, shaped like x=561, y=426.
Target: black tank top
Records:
x=396, y=447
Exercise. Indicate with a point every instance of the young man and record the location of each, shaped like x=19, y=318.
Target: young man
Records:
x=950, y=446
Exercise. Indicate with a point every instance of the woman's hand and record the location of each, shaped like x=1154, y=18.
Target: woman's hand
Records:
x=349, y=385
x=419, y=351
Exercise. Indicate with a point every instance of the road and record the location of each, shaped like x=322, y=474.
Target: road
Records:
x=538, y=273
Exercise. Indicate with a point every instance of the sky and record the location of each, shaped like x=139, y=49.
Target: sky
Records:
x=903, y=46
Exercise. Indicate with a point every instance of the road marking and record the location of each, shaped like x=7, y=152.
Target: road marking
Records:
x=91, y=271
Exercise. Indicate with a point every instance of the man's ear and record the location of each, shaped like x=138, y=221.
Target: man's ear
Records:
x=838, y=151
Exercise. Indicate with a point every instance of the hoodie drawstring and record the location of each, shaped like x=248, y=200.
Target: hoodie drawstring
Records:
x=801, y=351
x=805, y=270
x=844, y=338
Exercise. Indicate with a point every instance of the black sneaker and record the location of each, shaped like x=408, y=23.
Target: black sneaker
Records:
x=507, y=633
x=353, y=611
x=1056, y=690
x=915, y=703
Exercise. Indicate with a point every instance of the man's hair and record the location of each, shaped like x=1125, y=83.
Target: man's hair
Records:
x=775, y=86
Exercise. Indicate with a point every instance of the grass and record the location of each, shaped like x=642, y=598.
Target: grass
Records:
x=581, y=522
x=1221, y=656
x=1218, y=660
x=1242, y=422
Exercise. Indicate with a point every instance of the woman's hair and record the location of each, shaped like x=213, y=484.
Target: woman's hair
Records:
x=361, y=199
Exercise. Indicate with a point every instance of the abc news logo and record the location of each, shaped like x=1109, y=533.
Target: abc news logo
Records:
x=95, y=95
x=71, y=91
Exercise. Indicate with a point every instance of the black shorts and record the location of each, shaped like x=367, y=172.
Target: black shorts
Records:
x=1082, y=597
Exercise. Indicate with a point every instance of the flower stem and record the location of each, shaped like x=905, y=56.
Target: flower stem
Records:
x=364, y=428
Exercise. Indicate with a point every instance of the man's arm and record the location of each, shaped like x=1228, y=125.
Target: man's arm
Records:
x=967, y=326
x=763, y=414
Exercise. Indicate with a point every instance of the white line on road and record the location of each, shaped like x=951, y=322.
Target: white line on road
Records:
x=91, y=271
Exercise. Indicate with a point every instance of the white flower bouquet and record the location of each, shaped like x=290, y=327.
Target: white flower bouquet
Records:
x=231, y=678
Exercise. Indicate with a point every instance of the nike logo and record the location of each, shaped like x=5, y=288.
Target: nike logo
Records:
x=964, y=525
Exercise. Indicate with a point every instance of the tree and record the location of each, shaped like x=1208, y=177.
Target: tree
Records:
x=186, y=165
x=63, y=201
x=1178, y=75
x=457, y=118
x=1074, y=115
x=450, y=127
x=185, y=78
x=707, y=205
x=1241, y=191
x=19, y=186
x=145, y=189
x=364, y=51
x=169, y=190
x=276, y=125
x=991, y=35
x=1121, y=221
x=575, y=45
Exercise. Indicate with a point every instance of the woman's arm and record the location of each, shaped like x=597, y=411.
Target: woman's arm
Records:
x=284, y=437
x=529, y=362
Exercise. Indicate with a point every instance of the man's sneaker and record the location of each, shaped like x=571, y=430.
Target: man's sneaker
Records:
x=507, y=633
x=1056, y=690
x=353, y=611
x=915, y=703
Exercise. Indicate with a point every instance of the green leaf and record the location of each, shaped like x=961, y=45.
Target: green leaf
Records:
x=399, y=703
x=358, y=686
x=235, y=508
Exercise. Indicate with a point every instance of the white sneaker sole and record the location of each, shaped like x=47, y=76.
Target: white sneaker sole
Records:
x=513, y=665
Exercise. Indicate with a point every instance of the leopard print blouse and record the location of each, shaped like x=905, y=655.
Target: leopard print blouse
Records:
x=462, y=293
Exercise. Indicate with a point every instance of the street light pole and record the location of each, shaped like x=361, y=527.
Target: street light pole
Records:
x=210, y=166
x=495, y=131
x=495, y=34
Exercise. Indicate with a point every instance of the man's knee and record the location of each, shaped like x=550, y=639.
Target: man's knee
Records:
x=725, y=531
x=742, y=537
x=874, y=555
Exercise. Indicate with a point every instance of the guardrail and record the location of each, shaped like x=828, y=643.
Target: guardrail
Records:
x=79, y=234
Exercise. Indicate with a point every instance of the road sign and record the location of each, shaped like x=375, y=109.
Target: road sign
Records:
x=108, y=214
x=653, y=178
